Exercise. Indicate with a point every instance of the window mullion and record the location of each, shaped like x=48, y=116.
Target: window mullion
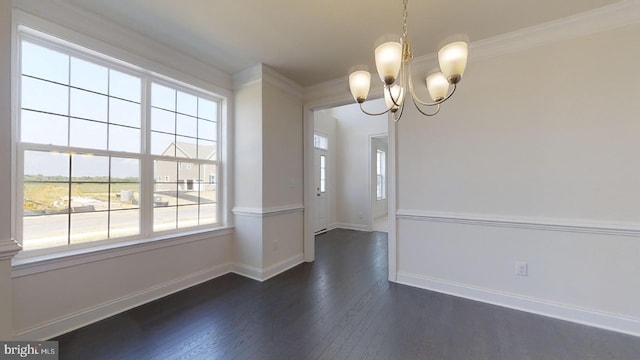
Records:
x=146, y=171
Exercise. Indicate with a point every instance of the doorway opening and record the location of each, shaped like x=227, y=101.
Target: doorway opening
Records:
x=348, y=172
x=320, y=166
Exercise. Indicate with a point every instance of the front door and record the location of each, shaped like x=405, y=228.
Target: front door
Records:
x=321, y=187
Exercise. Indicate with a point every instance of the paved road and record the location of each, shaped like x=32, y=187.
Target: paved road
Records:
x=51, y=230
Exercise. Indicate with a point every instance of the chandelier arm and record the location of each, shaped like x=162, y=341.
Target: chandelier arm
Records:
x=402, y=81
x=391, y=96
x=395, y=120
x=425, y=113
x=373, y=114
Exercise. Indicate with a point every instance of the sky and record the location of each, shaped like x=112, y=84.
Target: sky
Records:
x=68, y=101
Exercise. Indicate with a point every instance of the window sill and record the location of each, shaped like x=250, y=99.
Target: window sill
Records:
x=23, y=265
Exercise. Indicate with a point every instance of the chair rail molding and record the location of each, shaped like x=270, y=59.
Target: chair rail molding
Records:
x=268, y=211
x=523, y=222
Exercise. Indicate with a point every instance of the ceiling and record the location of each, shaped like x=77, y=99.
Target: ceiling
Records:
x=315, y=41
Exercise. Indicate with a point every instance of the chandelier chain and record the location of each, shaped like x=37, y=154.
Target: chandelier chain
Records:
x=404, y=17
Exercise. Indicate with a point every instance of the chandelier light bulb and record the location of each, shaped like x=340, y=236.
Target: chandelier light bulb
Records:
x=453, y=60
x=438, y=86
x=359, y=84
x=388, y=57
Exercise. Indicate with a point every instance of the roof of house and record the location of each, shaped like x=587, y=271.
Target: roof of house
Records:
x=190, y=150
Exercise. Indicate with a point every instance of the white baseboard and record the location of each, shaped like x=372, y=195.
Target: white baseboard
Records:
x=566, y=312
x=282, y=266
x=327, y=229
x=102, y=311
x=357, y=227
x=248, y=271
x=259, y=274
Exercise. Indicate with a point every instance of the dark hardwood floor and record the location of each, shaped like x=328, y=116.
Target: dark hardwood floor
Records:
x=339, y=307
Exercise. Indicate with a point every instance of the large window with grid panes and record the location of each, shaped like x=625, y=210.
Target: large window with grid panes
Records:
x=106, y=151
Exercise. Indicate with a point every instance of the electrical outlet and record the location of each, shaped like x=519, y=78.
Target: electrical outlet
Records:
x=522, y=268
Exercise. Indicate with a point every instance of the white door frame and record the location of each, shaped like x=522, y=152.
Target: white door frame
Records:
x=309, y=189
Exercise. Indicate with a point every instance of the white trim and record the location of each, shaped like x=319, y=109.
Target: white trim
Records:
x=270, y=211
x=566, y=312
x=357, y=227
x=263, y=73
x=247, y=271
x=8, y=249
x=281, y=82
x=335, y=92
x=90, y=315
x=247, y=77
x=23, y=265
x=308, y=188
x=265, y=274
x=329, y=228
x=392, y=173
x=282, y=266
x=595, y=21
x=522, y=222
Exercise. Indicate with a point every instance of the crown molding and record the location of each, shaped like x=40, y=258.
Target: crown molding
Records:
x=263, y=73
x=247, y=77
x=335, y=93
x=607, y=18
x=281, y=82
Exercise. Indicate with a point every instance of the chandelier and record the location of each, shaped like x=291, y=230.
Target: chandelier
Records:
x=393, y=63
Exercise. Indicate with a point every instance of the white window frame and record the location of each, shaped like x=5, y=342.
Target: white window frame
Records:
x=320, y=141
x=381, y=183
x=147, y=178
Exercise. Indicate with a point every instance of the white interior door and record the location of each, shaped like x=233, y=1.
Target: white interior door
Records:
x=321, y=186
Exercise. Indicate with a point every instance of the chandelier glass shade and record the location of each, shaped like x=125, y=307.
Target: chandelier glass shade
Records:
x=393, y=64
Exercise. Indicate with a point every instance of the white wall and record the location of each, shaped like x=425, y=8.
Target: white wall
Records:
x=535, y=160
x=269, y=166
x=7, y=245
x=51, y=302
x=283, y=170
x=282, y=150
x=248, y=146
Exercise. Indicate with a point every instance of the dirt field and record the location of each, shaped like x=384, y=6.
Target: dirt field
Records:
x=55, y=196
